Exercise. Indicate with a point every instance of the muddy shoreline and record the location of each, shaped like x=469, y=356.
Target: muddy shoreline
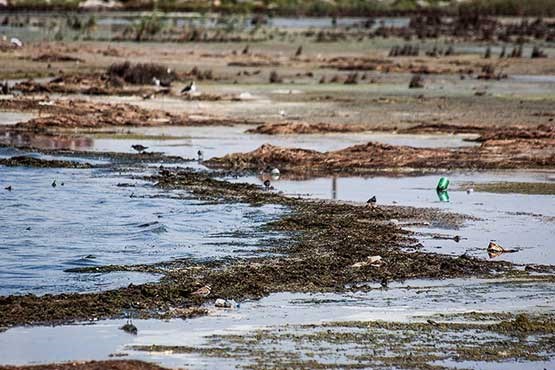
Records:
x=374, y=157
x=325, y=240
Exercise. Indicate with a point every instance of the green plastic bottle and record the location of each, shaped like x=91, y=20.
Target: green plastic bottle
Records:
x=442, y=184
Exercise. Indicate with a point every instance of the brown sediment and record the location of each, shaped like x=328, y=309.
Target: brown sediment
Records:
x=114, y=157
x=386, y=66
x=513, y=187
x=88, y=84
x=42, y=163
x=372, y=157
x=88, y=114
x=287, y=128
x=383, y=344
x=56, y=57
x=91, y=365
x=485, y=132
x=323, y=241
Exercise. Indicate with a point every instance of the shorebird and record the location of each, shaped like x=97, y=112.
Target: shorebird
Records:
x=190, y=88
x=494, y=247
x=282, y=113
x=54, y=183
x=140, y=148
x=202, y=292
x=200, y=155
x=156, y=82
x=267, y=184
x=372, y=201
x=8, y=188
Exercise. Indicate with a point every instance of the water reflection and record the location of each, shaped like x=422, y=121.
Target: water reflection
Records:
x=442, y=195
x=35, y=140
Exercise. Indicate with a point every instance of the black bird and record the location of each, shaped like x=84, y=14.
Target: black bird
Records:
x=190, y=88
x=200, y=155
x=140, y=148
x=8, y=188
x=371, y=201
x=267, y=184
x=54, y=183
x=129, y=328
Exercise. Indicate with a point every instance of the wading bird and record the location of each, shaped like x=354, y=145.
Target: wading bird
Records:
x=140, y=148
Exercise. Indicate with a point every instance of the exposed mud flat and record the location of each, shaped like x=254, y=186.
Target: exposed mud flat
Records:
x=288, y=128
x=92, y=365
x=373, y=157
x=37, y=162
x=63, y=113
x=485, y=132
x=92, y=84
x=514, y=187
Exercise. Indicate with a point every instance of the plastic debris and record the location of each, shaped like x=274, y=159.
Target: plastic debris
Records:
x=442, y=184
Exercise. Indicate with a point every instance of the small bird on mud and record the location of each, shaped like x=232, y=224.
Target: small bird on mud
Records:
x=371, y=202
x=8, y=188
x=191, y=88
x=200, y=155
x=54, y=183
x=202, y=292
x=129, y=327
x=495, y=250
x=267, y=184
x=140, y=148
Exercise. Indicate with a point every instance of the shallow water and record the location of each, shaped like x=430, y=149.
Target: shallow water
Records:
x=522, y=221
x=217, y=141
x=45, y=230
x=401, y=302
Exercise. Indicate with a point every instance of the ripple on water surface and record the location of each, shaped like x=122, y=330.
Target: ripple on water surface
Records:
x=90, y=221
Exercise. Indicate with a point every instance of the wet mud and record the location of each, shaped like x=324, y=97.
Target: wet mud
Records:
x=374, y=157
x=383, y=345
x=91, y=365
x=514, y=187
x=86, y=114
x=25, y=161
x=289, y=128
